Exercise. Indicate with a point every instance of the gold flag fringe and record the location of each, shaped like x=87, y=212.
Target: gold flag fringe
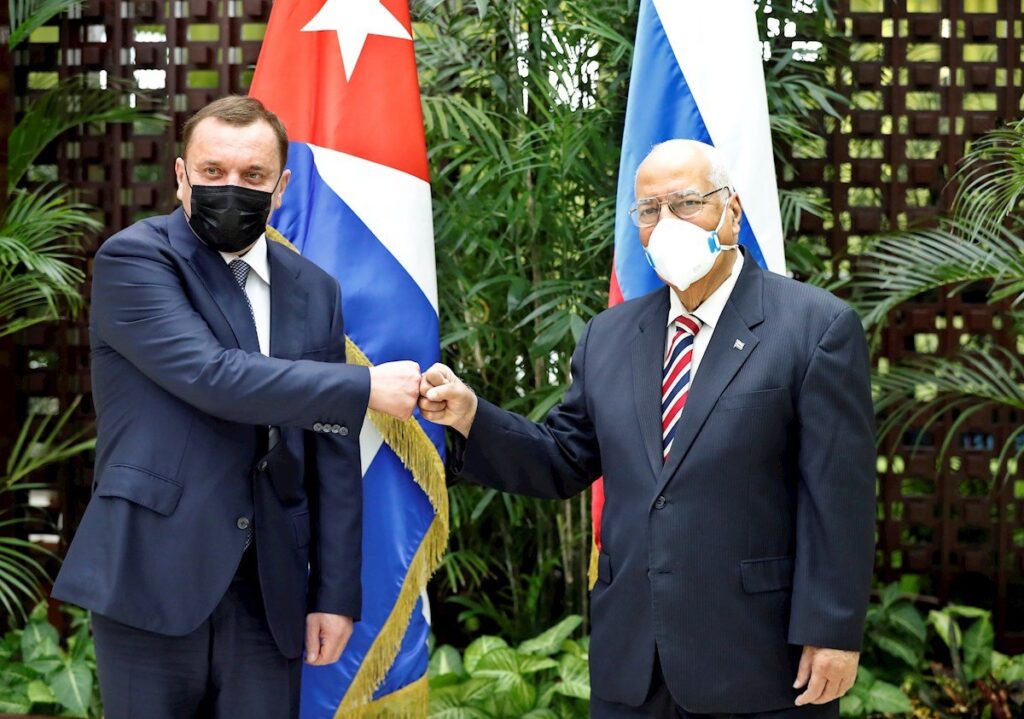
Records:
x=418, y=454
x=420, y=457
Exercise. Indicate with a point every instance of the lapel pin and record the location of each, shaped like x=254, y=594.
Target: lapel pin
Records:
x=737, y=345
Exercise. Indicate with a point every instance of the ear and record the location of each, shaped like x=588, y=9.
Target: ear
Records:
x=735, y=214
x=281, y=186
x=179, y=174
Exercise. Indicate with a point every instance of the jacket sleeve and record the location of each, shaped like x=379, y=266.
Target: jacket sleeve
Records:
x=141, y=310
x=835, y=526
x=337, y=551
x=556, y=458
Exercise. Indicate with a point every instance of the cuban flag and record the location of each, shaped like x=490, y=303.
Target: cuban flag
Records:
x=341, y=75
x=697, y=74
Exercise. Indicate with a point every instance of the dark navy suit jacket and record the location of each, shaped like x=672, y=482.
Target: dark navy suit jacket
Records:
x=183, y=399
x=757, y=535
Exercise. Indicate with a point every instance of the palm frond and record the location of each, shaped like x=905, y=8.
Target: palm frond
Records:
x=914, y=397
x=991, y=178
x=71, y=103
x=42, y=442
x=901, y=266
x=28, y=15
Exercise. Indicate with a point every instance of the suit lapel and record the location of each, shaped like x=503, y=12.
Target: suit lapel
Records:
x=648, y=358
x=213, y=272
x=288, y=300
x=720, y=363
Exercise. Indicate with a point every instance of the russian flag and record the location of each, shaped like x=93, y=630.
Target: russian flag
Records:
x=697, y=74
x=341, y=75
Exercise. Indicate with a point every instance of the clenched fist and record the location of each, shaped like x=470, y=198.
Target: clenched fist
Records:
x=446, y=400
x=394, y=388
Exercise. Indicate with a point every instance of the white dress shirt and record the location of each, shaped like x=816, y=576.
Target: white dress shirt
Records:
x=257, y=288
x=708, y=313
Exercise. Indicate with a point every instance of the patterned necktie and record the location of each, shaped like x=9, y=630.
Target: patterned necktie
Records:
x=240, y=269
x=675, y=384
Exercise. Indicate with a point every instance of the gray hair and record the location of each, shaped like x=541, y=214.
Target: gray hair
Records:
x=718, y=173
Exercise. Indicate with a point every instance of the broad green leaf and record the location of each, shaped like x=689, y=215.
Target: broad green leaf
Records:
x=14, y=675
x=901, y=649
x=39, y=693
x=944, y=627
x=540, y=714
x=550, y=641
x=473, y=691
x=518, y=697
x=39, y=640
x=14, y=703
x=478, y=648
x=890, y=595
x=907, y=618
x=574, y=674
x=959, y=610
x=447, y=703
x=45, y=665
x=978, y=640
x=851, y=706
x=888, y=699
x=445, y=660
x=444, y=680
x=72, y=686
x=529, y=663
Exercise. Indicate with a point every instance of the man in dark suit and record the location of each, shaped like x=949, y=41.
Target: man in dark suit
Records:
x=224, y=533
x=730, y=415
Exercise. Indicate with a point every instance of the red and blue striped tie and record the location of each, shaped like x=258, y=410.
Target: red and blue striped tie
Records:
x=675, y=384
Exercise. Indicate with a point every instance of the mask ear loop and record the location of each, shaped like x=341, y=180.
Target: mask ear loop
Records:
x=714, y=245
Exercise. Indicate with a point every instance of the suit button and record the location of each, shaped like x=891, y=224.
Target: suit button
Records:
x=335, y=428
x=262, y=466
x=242, y=523
x=343, y=431
x=660, y=503
x=318, y=427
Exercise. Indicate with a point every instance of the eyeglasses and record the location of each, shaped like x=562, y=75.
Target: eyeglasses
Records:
x=683, y=204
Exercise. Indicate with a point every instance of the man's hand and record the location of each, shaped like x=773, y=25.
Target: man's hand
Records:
x=446, y=400
x=831, y=673
x=326, y=637
x=394, y=388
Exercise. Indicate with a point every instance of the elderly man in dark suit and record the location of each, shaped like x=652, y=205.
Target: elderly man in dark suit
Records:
x=224, y=533
x=730, y=414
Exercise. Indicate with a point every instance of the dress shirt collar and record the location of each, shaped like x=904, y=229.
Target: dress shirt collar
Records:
x=711, y=308
x=256, y=258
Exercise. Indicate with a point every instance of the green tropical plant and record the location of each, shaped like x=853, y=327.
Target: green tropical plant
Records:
x=39, y=676
x=40, y=281
x=546, y=677
x=977, y=248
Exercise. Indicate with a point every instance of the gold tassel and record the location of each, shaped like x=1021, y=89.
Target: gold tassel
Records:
x=409, y=702
x=418, y=454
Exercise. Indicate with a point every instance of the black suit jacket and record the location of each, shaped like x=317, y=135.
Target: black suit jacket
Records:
x=757, y=535
x=183, y=398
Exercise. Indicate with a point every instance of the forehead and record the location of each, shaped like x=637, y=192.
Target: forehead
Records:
x=664, y=172
x=215, y=141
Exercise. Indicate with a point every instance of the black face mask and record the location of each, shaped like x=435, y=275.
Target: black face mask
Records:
x=229, y=218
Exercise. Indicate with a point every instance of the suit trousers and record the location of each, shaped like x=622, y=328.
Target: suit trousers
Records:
x=229, y=667
x=661, y=705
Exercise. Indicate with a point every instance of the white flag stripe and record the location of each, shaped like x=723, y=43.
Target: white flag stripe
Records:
x=394, y=205
x=717, y=48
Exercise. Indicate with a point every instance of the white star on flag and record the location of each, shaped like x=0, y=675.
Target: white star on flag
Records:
x=354, y=20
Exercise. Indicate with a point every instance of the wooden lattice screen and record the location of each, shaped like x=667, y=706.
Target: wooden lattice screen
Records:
x=924, y=78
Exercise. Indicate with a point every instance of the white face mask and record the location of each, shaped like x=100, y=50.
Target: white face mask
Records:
x=682, y=252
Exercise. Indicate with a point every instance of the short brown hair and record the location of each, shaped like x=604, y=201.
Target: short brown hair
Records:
x=240, y=111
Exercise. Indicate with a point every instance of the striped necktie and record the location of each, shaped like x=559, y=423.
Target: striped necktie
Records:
x=240, y=270
x=675, y=384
